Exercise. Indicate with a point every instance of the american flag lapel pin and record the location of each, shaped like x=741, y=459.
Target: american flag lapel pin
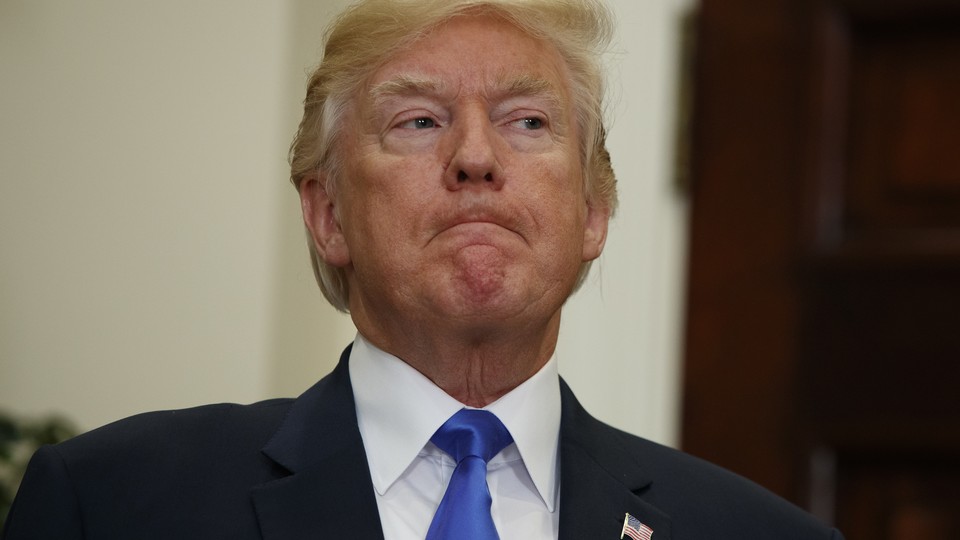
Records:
x=633, y=528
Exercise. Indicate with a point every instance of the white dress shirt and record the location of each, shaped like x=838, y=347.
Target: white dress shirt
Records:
x=398, y=410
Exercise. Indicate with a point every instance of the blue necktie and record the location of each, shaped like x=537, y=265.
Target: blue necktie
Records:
x=471, y=437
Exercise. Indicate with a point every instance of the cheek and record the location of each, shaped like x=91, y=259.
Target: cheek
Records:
x=560, y=223
x=559, y=197
x=388, y=202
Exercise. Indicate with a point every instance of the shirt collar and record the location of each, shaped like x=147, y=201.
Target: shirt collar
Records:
x=399, y=409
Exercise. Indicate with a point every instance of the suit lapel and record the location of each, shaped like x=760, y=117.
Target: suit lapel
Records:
x=600, y=481
x=328, y=492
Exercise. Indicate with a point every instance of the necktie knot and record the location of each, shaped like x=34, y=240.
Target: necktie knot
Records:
x=471, y=437
x=472, y=432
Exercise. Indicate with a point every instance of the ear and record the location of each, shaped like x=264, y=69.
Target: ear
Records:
x=595, y=231
x=320, y=217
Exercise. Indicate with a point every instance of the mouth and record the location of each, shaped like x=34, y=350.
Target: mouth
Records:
x=480, y=227
x=477, y=227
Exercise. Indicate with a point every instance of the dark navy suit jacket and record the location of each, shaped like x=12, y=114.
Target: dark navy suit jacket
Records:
x=291, y=469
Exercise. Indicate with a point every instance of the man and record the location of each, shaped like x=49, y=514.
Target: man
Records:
x=455, y=185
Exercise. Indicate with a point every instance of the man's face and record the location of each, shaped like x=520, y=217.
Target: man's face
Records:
x=461, y=197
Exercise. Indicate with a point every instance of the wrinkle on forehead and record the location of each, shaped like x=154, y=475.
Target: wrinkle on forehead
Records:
x=445, y=67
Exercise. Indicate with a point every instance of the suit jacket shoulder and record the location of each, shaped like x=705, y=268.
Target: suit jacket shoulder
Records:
x=276, y=469
x=151, y=475
x=607, y=473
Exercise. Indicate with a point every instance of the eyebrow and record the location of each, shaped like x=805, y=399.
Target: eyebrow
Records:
x=405, y=85
x=505, y=87
x=528, y=86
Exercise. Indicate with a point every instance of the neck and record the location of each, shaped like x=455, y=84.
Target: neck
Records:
x=477, y=364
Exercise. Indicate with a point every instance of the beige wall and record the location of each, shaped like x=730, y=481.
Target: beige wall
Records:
x=152, y=256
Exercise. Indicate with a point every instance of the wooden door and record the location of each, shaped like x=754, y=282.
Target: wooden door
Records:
x=823, y=327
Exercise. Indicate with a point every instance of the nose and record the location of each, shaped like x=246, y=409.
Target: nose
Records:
x=475, y=157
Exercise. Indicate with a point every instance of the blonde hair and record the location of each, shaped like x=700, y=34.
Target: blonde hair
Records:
x=368, y=34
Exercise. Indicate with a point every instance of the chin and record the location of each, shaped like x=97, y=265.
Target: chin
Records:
x=495, y=306
x=496, y=293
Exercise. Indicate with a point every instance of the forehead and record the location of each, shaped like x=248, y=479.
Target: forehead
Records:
x=476, y=54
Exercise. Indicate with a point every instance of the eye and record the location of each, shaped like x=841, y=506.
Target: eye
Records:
x=530, y=123
x=419, y=123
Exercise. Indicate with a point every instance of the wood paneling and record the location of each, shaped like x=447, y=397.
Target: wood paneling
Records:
x=822, y=346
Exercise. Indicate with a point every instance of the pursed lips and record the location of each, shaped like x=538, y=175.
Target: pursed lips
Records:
x=478, y=229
